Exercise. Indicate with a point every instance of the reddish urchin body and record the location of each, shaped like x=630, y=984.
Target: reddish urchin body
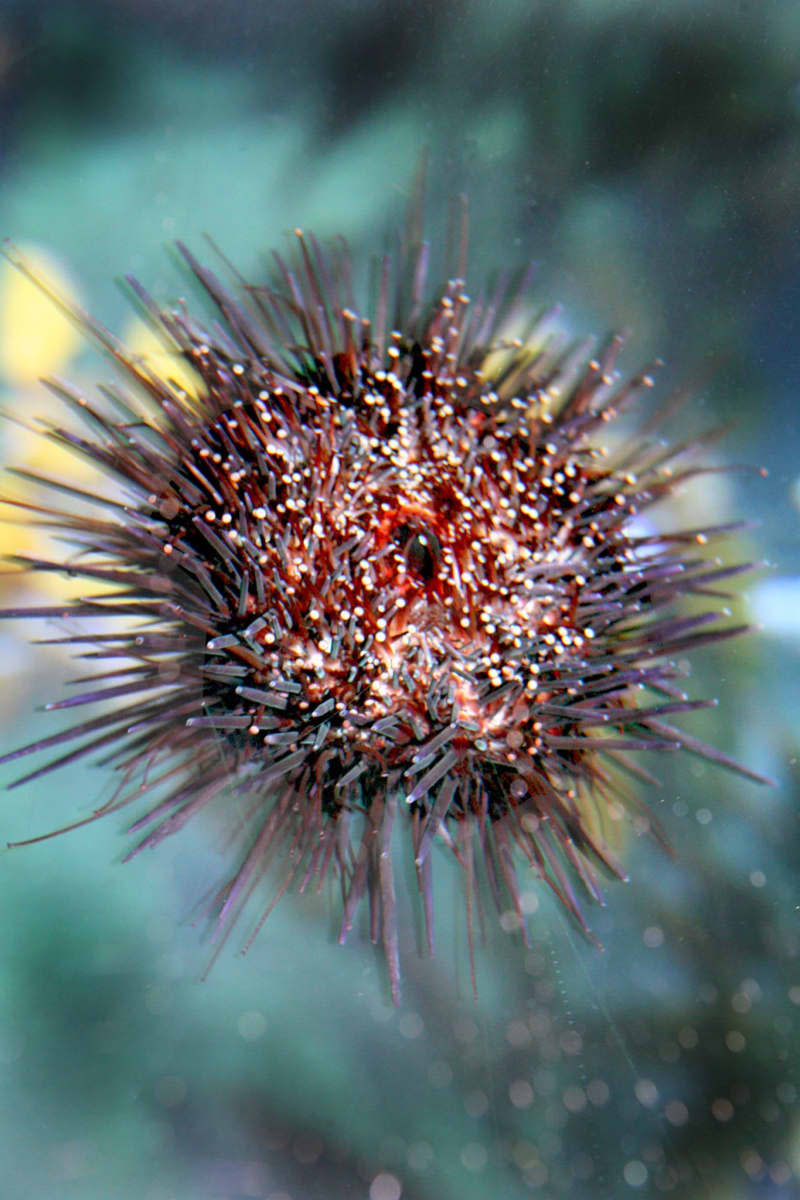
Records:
x=377, y=570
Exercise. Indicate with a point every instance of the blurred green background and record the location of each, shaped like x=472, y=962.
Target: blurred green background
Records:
x=647, y=156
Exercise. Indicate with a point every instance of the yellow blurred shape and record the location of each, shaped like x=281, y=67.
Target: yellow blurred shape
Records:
x=36, y=338
x=36, y=452
x=143, y=343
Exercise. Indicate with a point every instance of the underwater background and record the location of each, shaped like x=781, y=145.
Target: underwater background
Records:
x=647, y=157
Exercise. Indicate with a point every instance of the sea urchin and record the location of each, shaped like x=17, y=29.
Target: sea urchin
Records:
x=375, y=569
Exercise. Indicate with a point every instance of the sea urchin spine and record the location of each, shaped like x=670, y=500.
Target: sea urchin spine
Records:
x=375, y=569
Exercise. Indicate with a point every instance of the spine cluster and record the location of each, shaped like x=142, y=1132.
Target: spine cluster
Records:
x=371, y=569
